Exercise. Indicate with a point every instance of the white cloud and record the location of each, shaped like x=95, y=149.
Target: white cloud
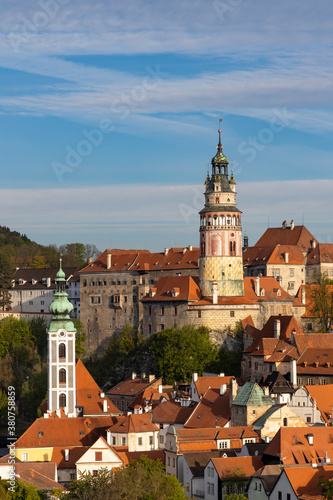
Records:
x=157, y=216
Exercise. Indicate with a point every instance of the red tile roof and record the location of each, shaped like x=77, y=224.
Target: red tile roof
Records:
x=322, y=254
x=66, y=432
x=263, y=255
x=127, y=456
x=304, y=480
x=140, y=422
x=211, y=410
x=203, y=383
x=273, y=290
x=171, y=412
x=323, y=395
x=291, y=445
x=298, y=236
x=226, y=466
x=316, y=361
x=133, y=386
x=139, y=260
x=75, y=452
x=186, y=288
x=31, y=473
x=88, y=394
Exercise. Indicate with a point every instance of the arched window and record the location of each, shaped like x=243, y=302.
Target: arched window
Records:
x=203, y=248
x=234, y=248
x=209, y=220
x=234, y=221
x=228, y=220
x=217, y=200
x=223, y=220
x=230, y=246
x=215, y=220
x=62, y=376
x=62, y=400
x=62, y=351
x=204, y=221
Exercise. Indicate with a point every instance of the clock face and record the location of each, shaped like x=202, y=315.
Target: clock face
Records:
x=62, y=333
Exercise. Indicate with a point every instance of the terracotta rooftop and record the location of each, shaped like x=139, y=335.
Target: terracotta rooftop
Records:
x=67, y=432
x=140, y=422
x=174, y=289
x=126, y=456
x=316, y=361
x=304, y=480
x=144, y=260
x=75, y=452
x=203, y=383
x=212, y=410
x=171, y=412
x=33, y=278
x=225, y=466
x=299, y=236
x=270, y=290
x=323, y=395
x=263, y=255
x=322, y=254
x=133, y=386
x=198, y=461
x=31, y=474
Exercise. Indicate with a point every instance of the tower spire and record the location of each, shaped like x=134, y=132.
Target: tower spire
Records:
x=219, y=146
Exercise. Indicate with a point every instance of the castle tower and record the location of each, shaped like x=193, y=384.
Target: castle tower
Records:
x=221, y=260
x=61, y=352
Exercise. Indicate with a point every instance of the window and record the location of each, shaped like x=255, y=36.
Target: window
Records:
x=310, y=381
x=149, y=311
x=300, y=381
x=256, y=365
x=162, y=311
x=291, y=285
x=199, y=314
x=140, y=441
x=95, y=472
x=175, y=311
x=123, y=441
x=208, y=488
x=161, y=439
x=212, y=488
x=150, y=439
x=42, y=302
x=308, y=420
x=168, y=460
x=284, y=309
x=62, y=376
x=149, y=328
x=254, y=412
x=272, y=310
x=72, y=476
x=279, y=495
x=288, y=496
x=322, y=381
x=122, y=405
x=223, y=444
x=173, y=462
x=162, y=326
x=98, y=456
x=62, y=351
x=95, y=299
x=232, y=314
x=291, y=273
x=285, y=422
x=114, y=440
x=25, y=457
x=31, y=302
x=62, y=400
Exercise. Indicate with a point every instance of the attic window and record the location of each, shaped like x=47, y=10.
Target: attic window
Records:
x=199, y=416
x=40, y=434
x=262, y=292
x=89, y=396
x=81, y=433
x=278, y=293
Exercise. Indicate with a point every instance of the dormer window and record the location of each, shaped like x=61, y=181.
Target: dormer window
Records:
x=278, y=293
x=175, y=292
x=21, y=281
x=152, y=292
x=262, y=292
x=33, y=282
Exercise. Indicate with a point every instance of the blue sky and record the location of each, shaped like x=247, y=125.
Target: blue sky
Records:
x=109, y=114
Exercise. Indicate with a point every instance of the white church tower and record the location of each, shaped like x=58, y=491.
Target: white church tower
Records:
x=61, y=352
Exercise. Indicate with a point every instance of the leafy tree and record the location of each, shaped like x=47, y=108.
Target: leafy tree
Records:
x=3, y=408
x=38, y=328
x=80, y=338
x=51, y=254
x=178, y=352
x=92, y=251
x=327, y=487
x=320, y=299
x=235, y=496
x=33, y=394
x=21, y=491
x=74, y=255
x=38, y=262
x=142, y=479
x=6, y=274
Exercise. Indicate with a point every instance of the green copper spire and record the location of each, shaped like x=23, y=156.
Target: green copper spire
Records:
x=61, y=308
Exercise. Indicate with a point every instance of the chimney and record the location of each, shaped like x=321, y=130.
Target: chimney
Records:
x=48, y=282
x=292, y=225
x=151, y=378
x=102, y=395
x=105, y=406
x=303, y=295
x=215, y=289
x=293, y=373
x=195, y=377
x=277, y=328
x=66, y=455
x=166, y=251
x=221, y=374
x=223, y=389
x=233, y=390
x=108, y=259
x=89, y=260
x=143, y=375
x=160, y=388
x=190, y=248
x=266, y=390
x=310, y=439
x=286, y=257
x=133, y=375
x=313, y=244
x=257, y=286
x=284, y=224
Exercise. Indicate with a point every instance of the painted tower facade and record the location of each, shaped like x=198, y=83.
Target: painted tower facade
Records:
x=221, y=261
x=61, y=352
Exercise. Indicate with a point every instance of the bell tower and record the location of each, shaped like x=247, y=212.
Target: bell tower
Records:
x=221, y=261
x=61, y=351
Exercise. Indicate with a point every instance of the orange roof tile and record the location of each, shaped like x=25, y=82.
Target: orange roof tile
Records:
x=322, y=254
x=127, y=456
x=188, y=289
x=133, y=386
x=275, y=254
x=67, y=432
x=298, y=236
x=314, y=360
x=304, y=480
x=75, y=452
x=138, y=260
x=213, y=409
x=225, y=466
x=140, y=422
x=203, y=383
x=171, y=412
x=271, y=287
x=323, y=395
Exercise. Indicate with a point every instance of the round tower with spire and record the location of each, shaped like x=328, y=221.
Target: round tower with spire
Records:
x=221, y=260
x=61, y=351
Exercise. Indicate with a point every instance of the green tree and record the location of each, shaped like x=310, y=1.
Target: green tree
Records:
x=327, y=487
x=21, y=491
x=33, y=394
x=38, y=328
x=74, y=255
x=3, y=408
x=320, y=300
x=6, y=275
x=80, y=339
x=178, y=352
x=142, y=479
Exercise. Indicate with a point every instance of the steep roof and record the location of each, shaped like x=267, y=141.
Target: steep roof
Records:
x=323, y=395
x=316, y=361
x=269, y=474
x=273, y=291
x=291, y=445
x=30, y=473
x=33, y=278
x=170, y=412
x=205, y=382
x=144, y=260
x=174, y=289
x=88, y=393
x=304, y=480
x=67, y=432
x=321, y=254
x=213, y=409
x=139, y=422
x=250, y=394
x=198, y=461
x=275, y=254
x=225, y=466
x=298, y=236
